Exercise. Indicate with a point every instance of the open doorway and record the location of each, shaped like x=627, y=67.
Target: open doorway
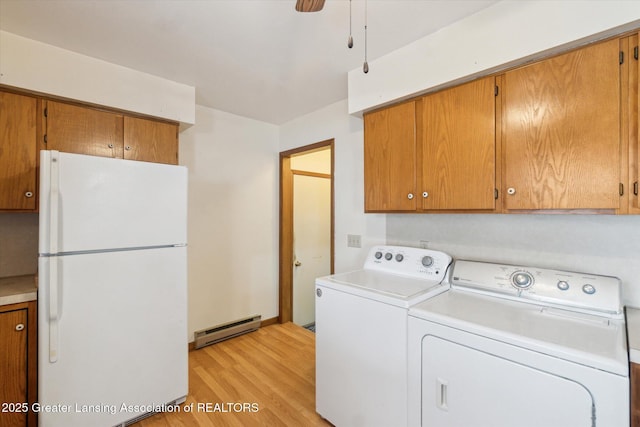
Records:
x=306, y=228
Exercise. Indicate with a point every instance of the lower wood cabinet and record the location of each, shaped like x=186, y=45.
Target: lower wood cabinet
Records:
x=18, y=364
x=635, y=395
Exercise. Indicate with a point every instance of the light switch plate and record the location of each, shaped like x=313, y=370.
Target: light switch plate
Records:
x=354, y=241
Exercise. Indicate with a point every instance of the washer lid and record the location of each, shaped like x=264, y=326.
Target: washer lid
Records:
x=389, y=288
x=581, y=338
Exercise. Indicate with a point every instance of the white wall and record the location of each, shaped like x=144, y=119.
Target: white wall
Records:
x=493, y=38
x=40, y=67
x=600, y=244
x=233, y=218
x=334, y=122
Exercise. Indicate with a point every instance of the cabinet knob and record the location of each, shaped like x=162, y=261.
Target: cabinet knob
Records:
x=425, y=195
x=511, y=191
x=128, y=147
x=110, y=145
x=410, y=196
x=28, y=194
x=19, y=327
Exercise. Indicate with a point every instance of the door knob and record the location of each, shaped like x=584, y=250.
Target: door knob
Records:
x=297, y=263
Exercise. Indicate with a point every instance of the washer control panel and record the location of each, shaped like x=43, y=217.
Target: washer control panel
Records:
x=407, y=261
x=565, y=289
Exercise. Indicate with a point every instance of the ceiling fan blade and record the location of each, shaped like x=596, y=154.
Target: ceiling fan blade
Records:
x=309, y=5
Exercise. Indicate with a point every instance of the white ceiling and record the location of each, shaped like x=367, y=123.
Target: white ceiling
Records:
x=255, y=58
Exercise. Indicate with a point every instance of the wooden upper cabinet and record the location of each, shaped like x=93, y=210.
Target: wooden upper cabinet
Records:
x=633, y=103
x=561, y=131
x=150, y=141
x=459, y=151
x=390, y=159
x=82, y=130
x=18, y=141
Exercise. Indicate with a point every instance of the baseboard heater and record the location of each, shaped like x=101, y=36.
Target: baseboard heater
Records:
x=208, y=336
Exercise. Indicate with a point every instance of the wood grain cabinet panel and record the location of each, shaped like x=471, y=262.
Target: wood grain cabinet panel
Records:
x=18, y=362
x=82, y=130
x=635, y=395
x=633, y=102
x=561, y=131
x=390, y=159
x=150, y=140
x=458, y=152
x=17, y=151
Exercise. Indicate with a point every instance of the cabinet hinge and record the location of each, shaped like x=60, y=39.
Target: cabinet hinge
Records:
x=621, y=57
x=45, y=138
x=495, y=92
x=621, y=189
x=635, y=53
x=495, y=193
x=635, y=188
x=45, y=112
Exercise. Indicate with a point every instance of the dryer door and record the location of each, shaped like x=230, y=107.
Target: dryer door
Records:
x=462, y=386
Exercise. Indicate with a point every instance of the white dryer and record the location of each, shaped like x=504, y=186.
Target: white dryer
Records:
x=361, y=334
x=519, y=346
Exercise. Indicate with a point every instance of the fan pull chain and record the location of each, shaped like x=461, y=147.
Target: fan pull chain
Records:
x=365, y=66
x=350, y=41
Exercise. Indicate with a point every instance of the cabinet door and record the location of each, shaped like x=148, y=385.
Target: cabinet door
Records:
x=17, y=151
x=561, y=124
x=150, y=141
x=634, y=121
x=635, y=394
x=459, y=152
x=81, y=130
x=13, y=364
x=390, y=159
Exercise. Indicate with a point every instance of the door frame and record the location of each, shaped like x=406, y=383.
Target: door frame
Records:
x=285, y=298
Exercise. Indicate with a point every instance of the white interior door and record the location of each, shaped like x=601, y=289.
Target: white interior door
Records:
x=311, y=242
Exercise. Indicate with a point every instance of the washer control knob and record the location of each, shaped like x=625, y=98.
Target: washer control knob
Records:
x=378, y=255
x=388, y=256
x=399, y=257
x=427, y=261
x=522, y=279
x=563, y=285
x=588, y=289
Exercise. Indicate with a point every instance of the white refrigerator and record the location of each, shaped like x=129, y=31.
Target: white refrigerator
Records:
x=112, y=289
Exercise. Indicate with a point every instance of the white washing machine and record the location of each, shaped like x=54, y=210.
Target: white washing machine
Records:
x=519, y=346
x=361, y=334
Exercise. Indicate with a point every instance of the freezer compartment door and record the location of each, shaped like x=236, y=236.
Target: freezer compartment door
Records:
x=94, y=203
x=120, y=335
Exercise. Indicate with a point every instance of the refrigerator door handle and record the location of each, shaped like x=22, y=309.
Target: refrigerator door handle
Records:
x=54, y=310
x=54, y=202
x=54, y=225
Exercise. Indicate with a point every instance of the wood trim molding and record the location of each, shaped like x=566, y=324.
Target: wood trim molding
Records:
x=313, y=174
x=285, y=296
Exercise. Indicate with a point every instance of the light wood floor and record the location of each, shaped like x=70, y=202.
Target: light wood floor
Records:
x=272, y=368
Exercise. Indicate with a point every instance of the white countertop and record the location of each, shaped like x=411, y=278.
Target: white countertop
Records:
x=18, y=289
x=633, y=333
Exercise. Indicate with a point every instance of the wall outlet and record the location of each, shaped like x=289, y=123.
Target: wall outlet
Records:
x=354, y=241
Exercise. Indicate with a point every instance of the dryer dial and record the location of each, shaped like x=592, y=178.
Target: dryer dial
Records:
x=522, y=279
